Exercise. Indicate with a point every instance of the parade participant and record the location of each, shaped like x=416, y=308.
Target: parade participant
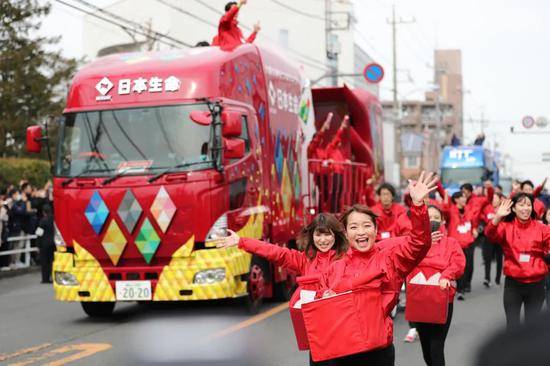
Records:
x=546, y=221
x=365, y=261
x=391, y=216
x=491, y=251
x=525, y=242
x=338, y=154
x=317, y=152
x=229, y=34
x=446, y=257
x=528, y=187
x=461, y=227
x=323, y=241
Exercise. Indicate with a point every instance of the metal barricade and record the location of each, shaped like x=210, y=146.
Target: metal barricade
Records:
x=335, y=185
x=27, y=250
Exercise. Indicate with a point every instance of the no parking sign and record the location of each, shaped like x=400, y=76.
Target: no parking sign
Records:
x=373, y=73
x=528, y=122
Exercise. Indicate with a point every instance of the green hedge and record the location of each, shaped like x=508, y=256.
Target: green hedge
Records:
x=12, y=170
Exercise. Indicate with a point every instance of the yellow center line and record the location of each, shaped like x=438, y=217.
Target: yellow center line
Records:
x=85, y=350
x=4, y=357
x=247, y=323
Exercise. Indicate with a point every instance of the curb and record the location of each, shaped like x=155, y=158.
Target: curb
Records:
x=19, y=272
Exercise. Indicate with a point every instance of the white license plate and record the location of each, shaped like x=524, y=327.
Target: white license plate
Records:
x=133, y=290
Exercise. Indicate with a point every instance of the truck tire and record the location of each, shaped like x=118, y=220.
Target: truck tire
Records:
x=255, y=286
x=282, y=291
x=98, y=309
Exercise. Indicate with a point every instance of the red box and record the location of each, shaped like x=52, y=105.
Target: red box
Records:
x=299, y=328
x=310, y=283
x=345, y=324
x=426, y=304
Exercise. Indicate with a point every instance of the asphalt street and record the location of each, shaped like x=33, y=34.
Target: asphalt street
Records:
x=37, y=330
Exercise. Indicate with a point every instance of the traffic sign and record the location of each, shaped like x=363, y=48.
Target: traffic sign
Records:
x=541, y=122
x=528, y=122
x=373, y=73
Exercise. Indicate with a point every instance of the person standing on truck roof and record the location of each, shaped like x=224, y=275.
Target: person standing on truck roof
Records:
x=229, y=34
x=525, y=243
x=323, y=241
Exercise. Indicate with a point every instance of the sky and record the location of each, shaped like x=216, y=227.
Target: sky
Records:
x=505, y=61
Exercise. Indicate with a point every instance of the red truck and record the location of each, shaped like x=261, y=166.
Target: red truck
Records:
x=159, y=153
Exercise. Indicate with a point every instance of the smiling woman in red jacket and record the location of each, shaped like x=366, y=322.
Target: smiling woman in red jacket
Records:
x=525, y=242
x=366, y=262
x=324, y=240
x=446, y=258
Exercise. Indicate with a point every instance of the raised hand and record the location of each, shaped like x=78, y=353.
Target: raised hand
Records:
x=328, y=120
x=229, y=241
x=345, y=122
x=257, y=27
x=503, y=210
x=422, y=187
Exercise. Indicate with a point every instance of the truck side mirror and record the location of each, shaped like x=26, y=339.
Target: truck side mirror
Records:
x=232, y=125
x=202, y=118
x=34, y=138
x=234, y=148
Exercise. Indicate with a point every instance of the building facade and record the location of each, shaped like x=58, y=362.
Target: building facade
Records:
x=296, y=27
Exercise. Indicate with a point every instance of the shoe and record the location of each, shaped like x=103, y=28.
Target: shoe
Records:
x=497, y=281
x=468, y=289
x=487, y=284
x=460, y=296
x=411, y=336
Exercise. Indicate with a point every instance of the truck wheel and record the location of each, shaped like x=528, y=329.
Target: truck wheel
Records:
x=98, y=309
x=282, y=291
x=255, y=287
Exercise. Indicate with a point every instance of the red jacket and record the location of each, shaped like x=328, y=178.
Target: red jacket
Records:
x=337, y=152
x=391, y=222
x=539, y=208
x=524, y=246
x=229, y=34
x=295, y=260
x=315, y=151
x=445, y=257
x=461, y=225
x=476, y=204
x=383, y=268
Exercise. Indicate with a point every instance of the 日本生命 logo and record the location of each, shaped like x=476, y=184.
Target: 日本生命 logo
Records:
x=139, y=85
x=103, y=87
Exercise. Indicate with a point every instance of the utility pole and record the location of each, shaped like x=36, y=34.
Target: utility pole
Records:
x=396, y=120
x=332, y=43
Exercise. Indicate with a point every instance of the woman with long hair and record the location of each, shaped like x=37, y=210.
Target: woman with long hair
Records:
x=525, y=243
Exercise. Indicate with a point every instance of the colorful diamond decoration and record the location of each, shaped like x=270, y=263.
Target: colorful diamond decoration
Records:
x=96, y=212
x=286, y=189
x=114, y=242
x=147, y=240
x=129, y=211
x=163, y=209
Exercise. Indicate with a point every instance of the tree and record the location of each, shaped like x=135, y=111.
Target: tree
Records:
x=34, y=78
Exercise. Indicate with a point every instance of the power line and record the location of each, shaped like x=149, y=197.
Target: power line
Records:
x=173, y=41
x=189, y=14
x=314, y=63
x=303, y=13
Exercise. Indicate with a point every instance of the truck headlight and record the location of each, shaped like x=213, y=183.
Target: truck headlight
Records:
x=65, y=279
x=57, y=238
x=216, y=232
x=209, y=276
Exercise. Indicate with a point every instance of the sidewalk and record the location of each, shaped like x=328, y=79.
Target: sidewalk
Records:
x=18, y=271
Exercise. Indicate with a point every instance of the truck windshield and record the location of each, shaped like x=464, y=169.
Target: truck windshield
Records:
x=138, y=140
x=460, y=176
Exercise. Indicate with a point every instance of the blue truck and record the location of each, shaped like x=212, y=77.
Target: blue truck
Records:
x=467, y=164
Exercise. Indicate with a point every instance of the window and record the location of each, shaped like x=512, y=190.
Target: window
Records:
x=244, y=134
x=412, y=162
